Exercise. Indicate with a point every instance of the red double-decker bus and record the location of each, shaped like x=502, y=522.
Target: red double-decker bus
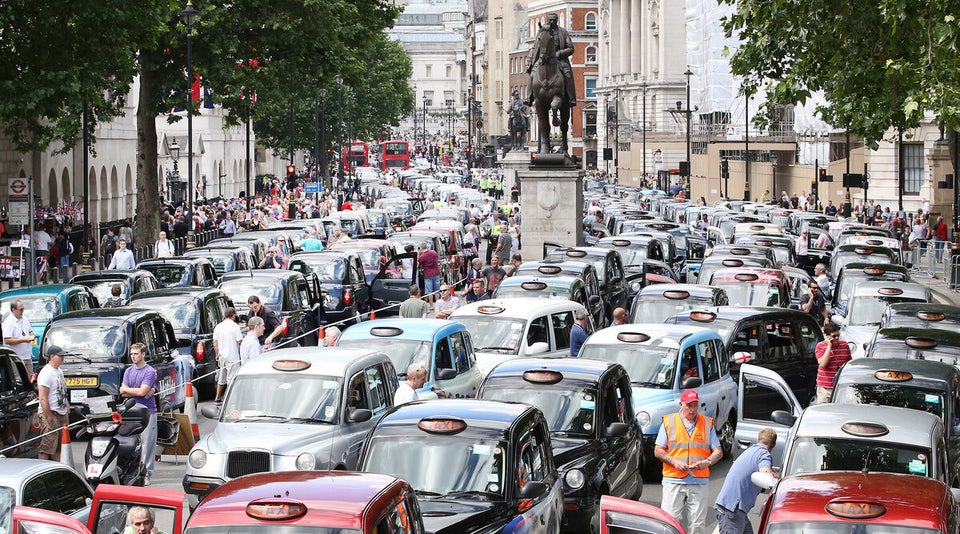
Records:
x=356, y=154
x=394, y=155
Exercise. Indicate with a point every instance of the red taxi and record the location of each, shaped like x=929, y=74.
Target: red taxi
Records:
x=27, y=520
x=309, y=501
x=746, y=286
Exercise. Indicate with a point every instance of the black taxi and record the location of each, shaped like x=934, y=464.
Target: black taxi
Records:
x=923, y=385
x=181, y=271
x=291, y=295
x=19, y=420
x=921, y=315
x=596, y=438
x=916, y=344
x=476, y=465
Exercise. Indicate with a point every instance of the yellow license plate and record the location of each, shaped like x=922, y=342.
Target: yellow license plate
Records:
x=82, y=382
x=36, y=340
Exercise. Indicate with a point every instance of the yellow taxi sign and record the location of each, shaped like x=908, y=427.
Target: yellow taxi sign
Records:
x=856, y=509
x=276, y=509
x=490, y=310
x=291, y=365
x=920, y=343
x=543, y=376
x=442, y=425
x=892, y=376
x=930, y=316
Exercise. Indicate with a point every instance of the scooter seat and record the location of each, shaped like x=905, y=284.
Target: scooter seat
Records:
x=130, y=428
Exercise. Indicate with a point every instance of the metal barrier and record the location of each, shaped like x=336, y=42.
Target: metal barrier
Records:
x=953, y=270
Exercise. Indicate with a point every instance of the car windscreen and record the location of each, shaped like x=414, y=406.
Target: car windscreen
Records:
x=815, y=454
x=283, y=398
x=424, y=460
x=648, y=366
x=240, y=289
x=750, y=293
x=377, y=220
x=102, y=289
x=566, y=407
x=332, y=269
x=96, y=342
x=632, y=256
x=868, y=309
x=169, y=275
x=36, y=308
x=549, y=292
x=222, y=263
x=655, y=308
x=402, y=352
x=898, y=394
x=724, y=327
x=182, y=315
x=495, y=334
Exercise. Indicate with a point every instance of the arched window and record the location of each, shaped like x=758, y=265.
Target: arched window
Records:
x=591, y=54
x=590, y=22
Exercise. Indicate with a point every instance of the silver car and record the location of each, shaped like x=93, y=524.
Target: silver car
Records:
x=47, y=485
x=293, y=409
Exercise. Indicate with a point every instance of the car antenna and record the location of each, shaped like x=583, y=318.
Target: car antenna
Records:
x=866, y=462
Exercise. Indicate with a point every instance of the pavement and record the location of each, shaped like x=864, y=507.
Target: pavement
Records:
x=937, y=279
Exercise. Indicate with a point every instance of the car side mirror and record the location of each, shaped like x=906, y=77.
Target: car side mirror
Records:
x=838, y=320
x=446, y=374
x=533, y=489
x=359, y=415
x=538, y=348
x=210, y=412
x=691, y=382
x=594, y=300
x=782, y=417
x=763, y=480
x=616, y=430
x=794, y=306
x=742, y=357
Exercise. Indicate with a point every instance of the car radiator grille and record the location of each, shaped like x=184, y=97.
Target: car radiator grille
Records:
x=241, y=463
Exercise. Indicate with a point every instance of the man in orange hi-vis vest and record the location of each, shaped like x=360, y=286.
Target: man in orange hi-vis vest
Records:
x=687, y=445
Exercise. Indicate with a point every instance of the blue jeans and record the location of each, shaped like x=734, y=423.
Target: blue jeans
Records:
x=431, y=284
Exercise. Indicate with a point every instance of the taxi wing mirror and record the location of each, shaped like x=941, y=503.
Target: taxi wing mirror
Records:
x=538, y=348
x=763, y=480
x=446, y=374
x=210, y=412
x=782, y=417
x=360, y=415
x=838, y=320
x=616, y=430
x=691, y=382
x=533, y=489
x=956, y=493
x=742, y=357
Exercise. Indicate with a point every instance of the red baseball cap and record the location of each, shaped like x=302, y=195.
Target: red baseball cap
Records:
x=689, y=395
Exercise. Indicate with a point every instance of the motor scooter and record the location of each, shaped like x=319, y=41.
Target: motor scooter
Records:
x=113, y=453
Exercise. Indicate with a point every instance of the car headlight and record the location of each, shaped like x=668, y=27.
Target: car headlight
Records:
x=635, y=287
x=306, y=462
x=197, y=458
x=574, y=478
x=644, y=419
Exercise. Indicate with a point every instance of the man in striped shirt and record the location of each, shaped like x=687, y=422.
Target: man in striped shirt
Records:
x=831, y=354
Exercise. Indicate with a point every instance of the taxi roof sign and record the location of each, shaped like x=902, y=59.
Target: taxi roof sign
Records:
x=874, y=270
x=746, y=277
x=291, y=365
x=890, y=291
x=702, y=316
x=442, y=425
x=930, y=316
x=863, y=251
x=549, y=269
x=676, y=294
x=865, y=430
x=576, y=253
x=621, y=242
x=386, y=331
x=534, y=286
x=920, y=343
x=888, y=375
x=542, y=376
x=732, y=263
x=632, y=337
x=490, y=310
x=276, y=509
x=855, y=509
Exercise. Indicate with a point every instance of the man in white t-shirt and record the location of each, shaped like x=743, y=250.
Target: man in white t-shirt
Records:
x=18, y=335
x=163, y=248
x=416, y=378
x=447, y=304
x=54, y=406
x=227, y=337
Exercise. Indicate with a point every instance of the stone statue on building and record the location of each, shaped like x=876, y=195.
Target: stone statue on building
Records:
x=519, y=121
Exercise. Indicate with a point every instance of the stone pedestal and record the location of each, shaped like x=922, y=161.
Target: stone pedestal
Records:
x=514, y=162
x=552, y=206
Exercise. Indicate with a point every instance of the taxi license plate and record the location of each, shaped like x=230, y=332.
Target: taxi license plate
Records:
x=36, y=340
x=83, y=382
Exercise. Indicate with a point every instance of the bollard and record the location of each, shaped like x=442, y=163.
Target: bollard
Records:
x=66, y=451
x=191, y=409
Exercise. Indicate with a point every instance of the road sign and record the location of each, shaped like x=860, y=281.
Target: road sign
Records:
x=312, y=187
x=19, y=202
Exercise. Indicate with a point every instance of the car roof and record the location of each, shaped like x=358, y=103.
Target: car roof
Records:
x=516, y=307
x=697, y=291
x=554, y=266
x=112, y=274
x=123, y=313
x=923, y=373
x=174, y=293
x=897, y=289
x=748, y=274
x=661, y=335
x=45, y=289
x=13, y=470
x=484, y=417
x=175, y=260
x=578, y=369
x=737, y=313
x=326, y=361
x=422, y=329
x=903, y=425
x=859, y=267
x=338, y=498
x=909, y=312
x=942, y=337
x=908, y=500
x=559, y=281
x=276, y=274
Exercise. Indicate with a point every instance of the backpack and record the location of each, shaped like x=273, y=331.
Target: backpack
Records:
x=109, y=244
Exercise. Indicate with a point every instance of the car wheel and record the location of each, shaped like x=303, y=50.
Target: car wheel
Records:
x=726, y=434
x=595, y=517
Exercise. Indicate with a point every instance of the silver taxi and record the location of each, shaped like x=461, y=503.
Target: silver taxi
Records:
x=867, y=304
x=503, y=329
x=293, y=409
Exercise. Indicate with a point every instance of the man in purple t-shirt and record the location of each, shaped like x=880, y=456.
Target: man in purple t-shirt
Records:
x=429, y=262
x=139, y=381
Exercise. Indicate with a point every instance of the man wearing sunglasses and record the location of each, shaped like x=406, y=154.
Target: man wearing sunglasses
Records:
x=831, y=354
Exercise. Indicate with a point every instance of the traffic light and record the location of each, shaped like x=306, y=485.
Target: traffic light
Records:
x=725, y=169
x=291, y=177
x=684, y=168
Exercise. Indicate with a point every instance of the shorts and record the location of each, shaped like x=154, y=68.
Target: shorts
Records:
x=227, y=371
x=50, y=443
x=431, y=284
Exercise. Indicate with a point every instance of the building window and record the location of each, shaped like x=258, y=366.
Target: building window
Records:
x=427, y=98
x=590, y=124
x=912, y=167
x=448, y=97
x=590, y=88
x=429, y=71
x=449, y=71
x=591, y=54
x=499, y=26
x=590, y=22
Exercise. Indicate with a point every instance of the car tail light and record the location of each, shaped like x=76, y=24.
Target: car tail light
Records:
x=348, y=296
x=200, y=351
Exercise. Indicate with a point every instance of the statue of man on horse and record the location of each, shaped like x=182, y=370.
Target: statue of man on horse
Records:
x=551, y=81
x=519, y=122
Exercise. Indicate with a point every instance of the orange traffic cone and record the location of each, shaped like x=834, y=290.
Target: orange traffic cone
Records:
x=373, y=315
x=66, y=451
x=321, y=335
x=191, y=409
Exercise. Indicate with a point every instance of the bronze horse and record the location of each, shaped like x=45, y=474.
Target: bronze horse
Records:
x=549, y=95
x=518, y=127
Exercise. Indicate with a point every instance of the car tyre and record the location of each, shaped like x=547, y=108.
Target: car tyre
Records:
x=726, y=434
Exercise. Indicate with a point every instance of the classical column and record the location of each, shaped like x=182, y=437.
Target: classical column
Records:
x=616, y=45
x=635, y=56
x=625, y=39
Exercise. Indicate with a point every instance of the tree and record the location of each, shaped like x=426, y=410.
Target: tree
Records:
x=880, y=65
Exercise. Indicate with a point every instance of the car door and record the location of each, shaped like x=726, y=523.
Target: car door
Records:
x=307, y=318
x=615, y=282
x=18, y=404
x=622, y=453
x=389, y=290
x=450, y=352
x=367, y=389
x=710, y=401
x=760, y=394
x=358, y=283
x=151, y=332
x=783, y=351
x=58, y=490
x=561, y=323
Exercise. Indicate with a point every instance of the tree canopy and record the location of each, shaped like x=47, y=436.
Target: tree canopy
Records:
x=880, y=65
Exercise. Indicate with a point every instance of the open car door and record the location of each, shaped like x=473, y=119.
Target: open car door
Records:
x=624, y=515
x=111, y=504
x=765, y=400
x=391, y=286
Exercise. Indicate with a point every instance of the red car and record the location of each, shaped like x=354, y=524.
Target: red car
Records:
x=308, y=501
x=26, y=519
x=111, y=504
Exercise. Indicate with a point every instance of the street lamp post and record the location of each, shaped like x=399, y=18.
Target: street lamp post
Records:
x=174, y=177
x=339, y=79
x=689, y=163
x=189, y=13
x=643, y=133
x=425, y=124
x=324, y=164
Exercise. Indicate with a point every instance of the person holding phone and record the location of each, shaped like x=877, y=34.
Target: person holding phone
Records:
x=831, y=354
